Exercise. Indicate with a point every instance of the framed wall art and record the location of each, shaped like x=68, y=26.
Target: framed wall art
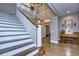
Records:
x=68, y=23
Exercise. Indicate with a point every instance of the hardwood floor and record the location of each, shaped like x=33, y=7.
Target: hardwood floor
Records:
x=61, y=49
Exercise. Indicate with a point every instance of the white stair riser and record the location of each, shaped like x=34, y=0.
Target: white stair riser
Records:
x=8, y=18
x=13, y=37
x=10, y=25
x=13, y=52
x=9, y=21
x=6, y=45
x=33, y=53
x=13, y=23
x=12, y=33
x=2, y=27
x=6, y=15
x=12, y=29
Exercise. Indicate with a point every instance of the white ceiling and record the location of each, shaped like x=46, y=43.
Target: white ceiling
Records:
x=62, y=8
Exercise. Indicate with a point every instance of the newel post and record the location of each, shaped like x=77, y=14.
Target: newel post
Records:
x=39, y=34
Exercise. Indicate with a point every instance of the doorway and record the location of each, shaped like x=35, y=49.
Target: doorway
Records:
x=47, y=34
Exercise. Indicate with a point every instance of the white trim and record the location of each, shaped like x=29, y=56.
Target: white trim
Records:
x=54, y=41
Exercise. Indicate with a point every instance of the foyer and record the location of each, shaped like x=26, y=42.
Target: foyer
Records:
x=26, y=27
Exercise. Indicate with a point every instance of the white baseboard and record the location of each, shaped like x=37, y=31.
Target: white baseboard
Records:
x=54, y=41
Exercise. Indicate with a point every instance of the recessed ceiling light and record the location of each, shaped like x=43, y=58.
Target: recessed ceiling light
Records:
x=68, y=11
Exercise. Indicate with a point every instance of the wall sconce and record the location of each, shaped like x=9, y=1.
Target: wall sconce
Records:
x=74, y=24
x=62, y=25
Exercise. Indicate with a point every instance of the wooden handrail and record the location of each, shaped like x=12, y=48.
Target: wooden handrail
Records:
x=25, y=5
x=26, y=17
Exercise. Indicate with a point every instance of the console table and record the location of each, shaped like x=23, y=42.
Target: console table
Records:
x=74, y=38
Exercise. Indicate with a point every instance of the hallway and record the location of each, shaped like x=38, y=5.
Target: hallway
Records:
x=61, y=49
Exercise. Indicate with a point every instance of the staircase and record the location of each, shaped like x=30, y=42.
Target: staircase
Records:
x=14, y=38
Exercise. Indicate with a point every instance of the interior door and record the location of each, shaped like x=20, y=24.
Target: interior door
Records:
x=47, y=34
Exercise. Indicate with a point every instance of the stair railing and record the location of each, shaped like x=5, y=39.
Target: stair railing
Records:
x=28, y=13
